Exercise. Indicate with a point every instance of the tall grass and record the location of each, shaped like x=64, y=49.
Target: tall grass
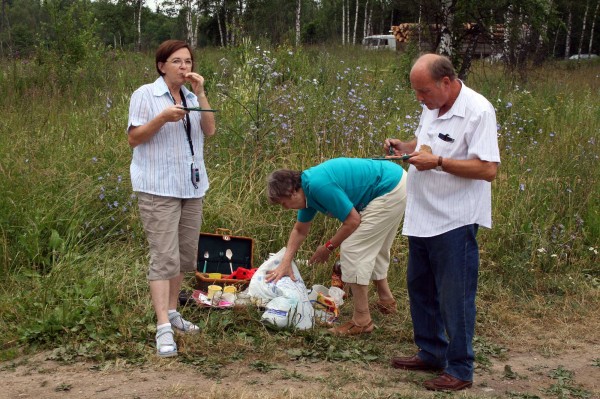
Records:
x=73, y=254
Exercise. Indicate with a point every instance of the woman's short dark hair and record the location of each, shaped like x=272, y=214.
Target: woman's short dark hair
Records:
x=282, y=184
x=167, y=48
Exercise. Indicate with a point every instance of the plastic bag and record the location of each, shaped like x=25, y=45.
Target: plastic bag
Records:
x=286, y=302
x=326, y=303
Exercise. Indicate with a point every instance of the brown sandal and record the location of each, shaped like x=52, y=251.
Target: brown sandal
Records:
x=351, y=328
x=387, y=307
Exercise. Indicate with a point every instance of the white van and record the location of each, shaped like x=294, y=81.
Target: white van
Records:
x=379, y=42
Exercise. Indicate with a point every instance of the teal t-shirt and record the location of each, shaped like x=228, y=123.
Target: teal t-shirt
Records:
x=340, y=184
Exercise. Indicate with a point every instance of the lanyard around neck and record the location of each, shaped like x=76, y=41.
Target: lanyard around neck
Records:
x=186, y=123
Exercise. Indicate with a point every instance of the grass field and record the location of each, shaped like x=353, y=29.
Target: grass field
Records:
x=72, y=251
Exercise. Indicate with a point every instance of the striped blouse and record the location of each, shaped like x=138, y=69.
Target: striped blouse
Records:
x=162, y=165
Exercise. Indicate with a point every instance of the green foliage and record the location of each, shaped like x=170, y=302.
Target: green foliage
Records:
x=564, y=387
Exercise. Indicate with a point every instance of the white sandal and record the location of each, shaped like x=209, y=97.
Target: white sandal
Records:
x=160, y=346
x=177, y=320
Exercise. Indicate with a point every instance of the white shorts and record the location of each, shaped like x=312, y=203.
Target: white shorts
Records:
x=365, y=255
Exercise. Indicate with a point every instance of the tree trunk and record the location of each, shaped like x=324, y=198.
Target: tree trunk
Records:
x=139, y=24
x=343, y=22
x=348, y=22
x=189, y=24
x=446, y=46
x=419, y=29
x=568, y=38
x=592, y=27
x=298, y=8
x=221, y=33
x=587, y=7
x=365, y=19
x=355, y=23
x=541, y=50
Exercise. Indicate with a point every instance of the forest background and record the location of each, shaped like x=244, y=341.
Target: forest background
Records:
x=72, y=251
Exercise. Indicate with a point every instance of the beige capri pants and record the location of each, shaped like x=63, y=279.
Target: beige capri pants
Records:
x=365, y=255
x=172, y=227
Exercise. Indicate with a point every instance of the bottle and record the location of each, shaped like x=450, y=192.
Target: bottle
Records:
x=336, y=274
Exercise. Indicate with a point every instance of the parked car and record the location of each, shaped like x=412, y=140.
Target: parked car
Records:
x=583, y=56
x=379, y=42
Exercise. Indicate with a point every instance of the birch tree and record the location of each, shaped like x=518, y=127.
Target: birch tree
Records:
x=298, y=8
x=137, y=16
x=189, y=23
x=568, y=35
x=587, y=7
x=355, y=23
x=446, y=45
x=592, y=27
x=343, y=22
x=365, y=18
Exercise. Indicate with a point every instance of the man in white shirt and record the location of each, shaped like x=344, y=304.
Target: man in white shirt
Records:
x=454, y=157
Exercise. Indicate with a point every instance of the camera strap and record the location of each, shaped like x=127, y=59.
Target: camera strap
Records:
x=188, y=132
x=187, y=124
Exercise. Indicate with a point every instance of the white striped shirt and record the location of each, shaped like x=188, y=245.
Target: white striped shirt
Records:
x=162, y=165
x=438, y=201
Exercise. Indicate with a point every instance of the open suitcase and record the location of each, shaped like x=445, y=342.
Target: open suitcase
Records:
x=212, y=258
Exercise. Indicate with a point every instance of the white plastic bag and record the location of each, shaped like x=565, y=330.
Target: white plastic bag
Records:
x=286, y=301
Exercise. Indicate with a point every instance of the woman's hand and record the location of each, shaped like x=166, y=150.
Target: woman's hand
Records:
x=173, y=113
x=321, y=255
x=197, y=82
x=284, y=269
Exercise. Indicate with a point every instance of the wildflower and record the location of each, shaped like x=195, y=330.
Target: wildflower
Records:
x=552, y=134
x=541, y=250
x=522, y=187
x=116, y=204
x=119, y=179
x=101, y=196
x=509, y=105
x=94, y=159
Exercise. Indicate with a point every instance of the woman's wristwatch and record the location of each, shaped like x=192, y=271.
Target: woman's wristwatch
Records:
x=329, y=245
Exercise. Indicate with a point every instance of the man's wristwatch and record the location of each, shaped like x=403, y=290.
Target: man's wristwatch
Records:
x=439, y=165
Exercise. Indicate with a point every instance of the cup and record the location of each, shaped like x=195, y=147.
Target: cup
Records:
x=216, y=276
x=230, y=289
x=214, y=290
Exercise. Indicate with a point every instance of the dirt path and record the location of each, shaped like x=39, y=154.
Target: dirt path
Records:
x=520, y=375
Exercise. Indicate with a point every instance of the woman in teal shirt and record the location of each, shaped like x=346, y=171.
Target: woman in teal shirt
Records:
x=369, y=198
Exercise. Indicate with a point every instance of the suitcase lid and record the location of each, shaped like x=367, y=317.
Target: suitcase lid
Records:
x=212, y=252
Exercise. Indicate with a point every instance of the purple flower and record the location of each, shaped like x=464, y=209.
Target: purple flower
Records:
x=94, y=159
x=509, y=105
x=522, y=187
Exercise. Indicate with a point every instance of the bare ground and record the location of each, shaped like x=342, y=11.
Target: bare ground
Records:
x=520, y=375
